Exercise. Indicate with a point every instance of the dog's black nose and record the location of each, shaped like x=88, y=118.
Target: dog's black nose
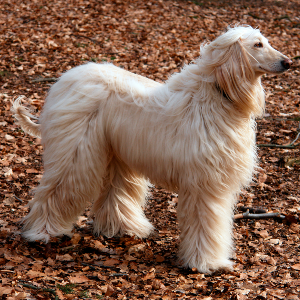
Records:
x=286, y=63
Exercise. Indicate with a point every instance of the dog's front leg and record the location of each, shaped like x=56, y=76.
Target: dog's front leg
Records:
x=205, y=222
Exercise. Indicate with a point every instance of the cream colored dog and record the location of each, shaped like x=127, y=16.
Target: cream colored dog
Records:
x=107, y=131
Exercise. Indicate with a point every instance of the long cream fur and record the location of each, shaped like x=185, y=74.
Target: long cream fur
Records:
x=106, y=131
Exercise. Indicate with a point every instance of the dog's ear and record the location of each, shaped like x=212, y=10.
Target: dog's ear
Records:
x=236, y=79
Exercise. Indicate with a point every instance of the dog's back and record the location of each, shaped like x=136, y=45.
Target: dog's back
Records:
x=93, y=78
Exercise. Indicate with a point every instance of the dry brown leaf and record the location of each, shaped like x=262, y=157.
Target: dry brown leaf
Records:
x=60, y=294
x=65, y=257
x=149, y=275
x=4, y=290
x=75, y=238
x=296, y=267
x=32, y=171
x=159, y=258
x=34, y=274
x=111, y=262
x=109, y=291
x=78, y=279
x=20, y=295
x=99, y=245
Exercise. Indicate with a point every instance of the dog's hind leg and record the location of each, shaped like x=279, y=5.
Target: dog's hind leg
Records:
x=206, y=225
x=52, y=212
x=119, y=208
x=75, y=164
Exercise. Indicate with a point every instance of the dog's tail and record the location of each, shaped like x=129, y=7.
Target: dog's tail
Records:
x=23, y=117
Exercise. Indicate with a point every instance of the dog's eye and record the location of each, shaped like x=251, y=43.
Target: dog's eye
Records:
x=258, y=45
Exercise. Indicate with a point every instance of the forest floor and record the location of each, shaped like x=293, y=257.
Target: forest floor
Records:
x=40, y=40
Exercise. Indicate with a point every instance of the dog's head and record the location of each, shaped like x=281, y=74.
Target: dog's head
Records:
x=263, y=58
x=236, y=60
x=251, y=50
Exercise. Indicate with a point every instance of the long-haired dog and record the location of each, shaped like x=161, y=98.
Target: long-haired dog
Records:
x=106, y=131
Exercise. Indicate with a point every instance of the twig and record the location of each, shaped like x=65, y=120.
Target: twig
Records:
x=18, y=198
x=280, y=119
x=68, y=248
x=41, y=289
x=247, y=215
x=86, y=37
x=30, y=286
x=118, y=274
x=289, y=146
x=255, y=16
x=93, y=267
x=52, y=79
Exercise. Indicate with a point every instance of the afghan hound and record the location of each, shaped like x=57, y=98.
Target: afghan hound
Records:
x=107, y=131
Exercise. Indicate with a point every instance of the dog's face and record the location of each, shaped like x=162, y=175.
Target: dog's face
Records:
x=264, y=58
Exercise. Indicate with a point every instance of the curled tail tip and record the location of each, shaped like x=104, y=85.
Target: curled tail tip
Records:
x=23, y=116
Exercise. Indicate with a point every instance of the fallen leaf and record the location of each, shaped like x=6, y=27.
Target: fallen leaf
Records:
x=159, y=258
x=4, y=290
x=111, y=262
x=296, y=267
x=263, y=233
x=149, y=275
x=32, y=171
x=99, y=245
x=65, y=257
x=109, y=291
x=9, y=138
x=20, y=295
x=34, y=274
x=60, y=294
x=75, y=238
x=78, y=279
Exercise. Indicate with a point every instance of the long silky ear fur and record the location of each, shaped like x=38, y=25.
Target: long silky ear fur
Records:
x=236, y=79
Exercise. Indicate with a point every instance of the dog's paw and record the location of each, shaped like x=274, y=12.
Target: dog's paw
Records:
x=32, y=236
x=212, y=266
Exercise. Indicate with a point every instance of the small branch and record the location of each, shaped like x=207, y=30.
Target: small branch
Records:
x=68, y=248
x=86, y=37
x=118, y=274
x=247, y=215
x=45, y=79
x=18, y=198
x=280, y=119
x=289, y=146
x=255, y=16
x=37, y=288
x=93, y=267
x=30, y=286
